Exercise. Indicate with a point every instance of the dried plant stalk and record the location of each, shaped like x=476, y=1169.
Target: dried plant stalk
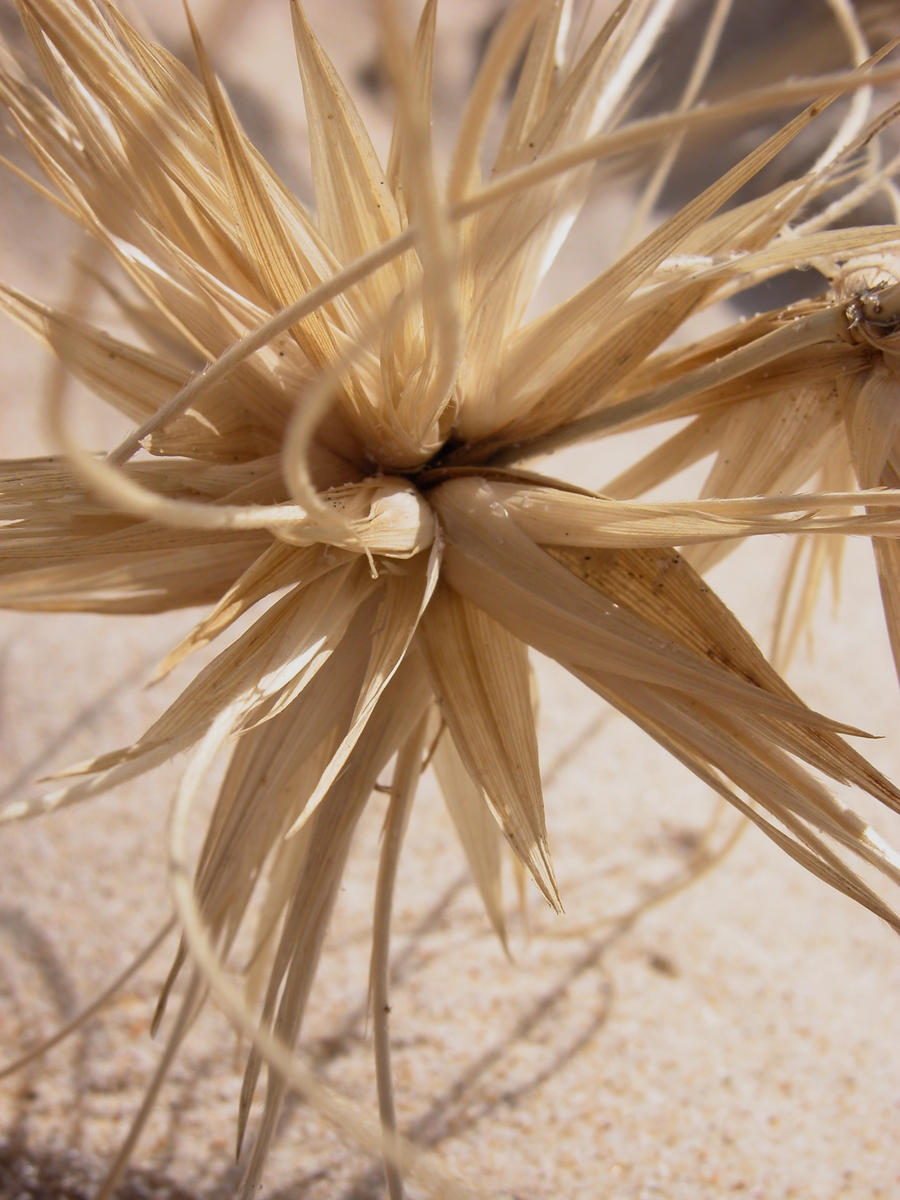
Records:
x=339, y=421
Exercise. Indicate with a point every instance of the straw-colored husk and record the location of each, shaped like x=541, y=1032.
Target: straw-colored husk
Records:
x=339, y=420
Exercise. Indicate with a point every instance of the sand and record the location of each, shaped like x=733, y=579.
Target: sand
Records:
x=738, y=1039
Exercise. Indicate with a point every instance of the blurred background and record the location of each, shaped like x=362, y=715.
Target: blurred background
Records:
x=739, y=1039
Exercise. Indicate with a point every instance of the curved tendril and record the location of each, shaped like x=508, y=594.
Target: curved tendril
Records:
x=505, y=186
x=342, y=1112
x=403, y=790
x=712, y=35
x=858, y=113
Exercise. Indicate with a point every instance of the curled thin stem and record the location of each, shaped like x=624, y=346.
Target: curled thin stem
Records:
x=403, y=790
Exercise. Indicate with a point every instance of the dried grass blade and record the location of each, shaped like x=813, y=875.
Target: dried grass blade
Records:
x=476, y=827
x=703, y=59
x=278, y=566
x=133, y=381
x=498, y=567
x=505, y=44
x=479, y=673
x=689, y=741
x=873, y=431
x=256, y=677
x=663, y=589
x=133, y=581
x=554, y=517
x=403, y=599
x=421, y=406
x=399, y=168
x=770, y=447
x=355, y=208
x=313, y=890
x=282, y=243
x=653, y=129
x=272, y=771
x=561, y=335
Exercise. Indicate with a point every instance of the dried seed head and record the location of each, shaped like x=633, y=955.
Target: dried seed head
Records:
x=332, y=419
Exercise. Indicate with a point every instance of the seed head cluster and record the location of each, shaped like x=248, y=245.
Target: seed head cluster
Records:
x=341, y=416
